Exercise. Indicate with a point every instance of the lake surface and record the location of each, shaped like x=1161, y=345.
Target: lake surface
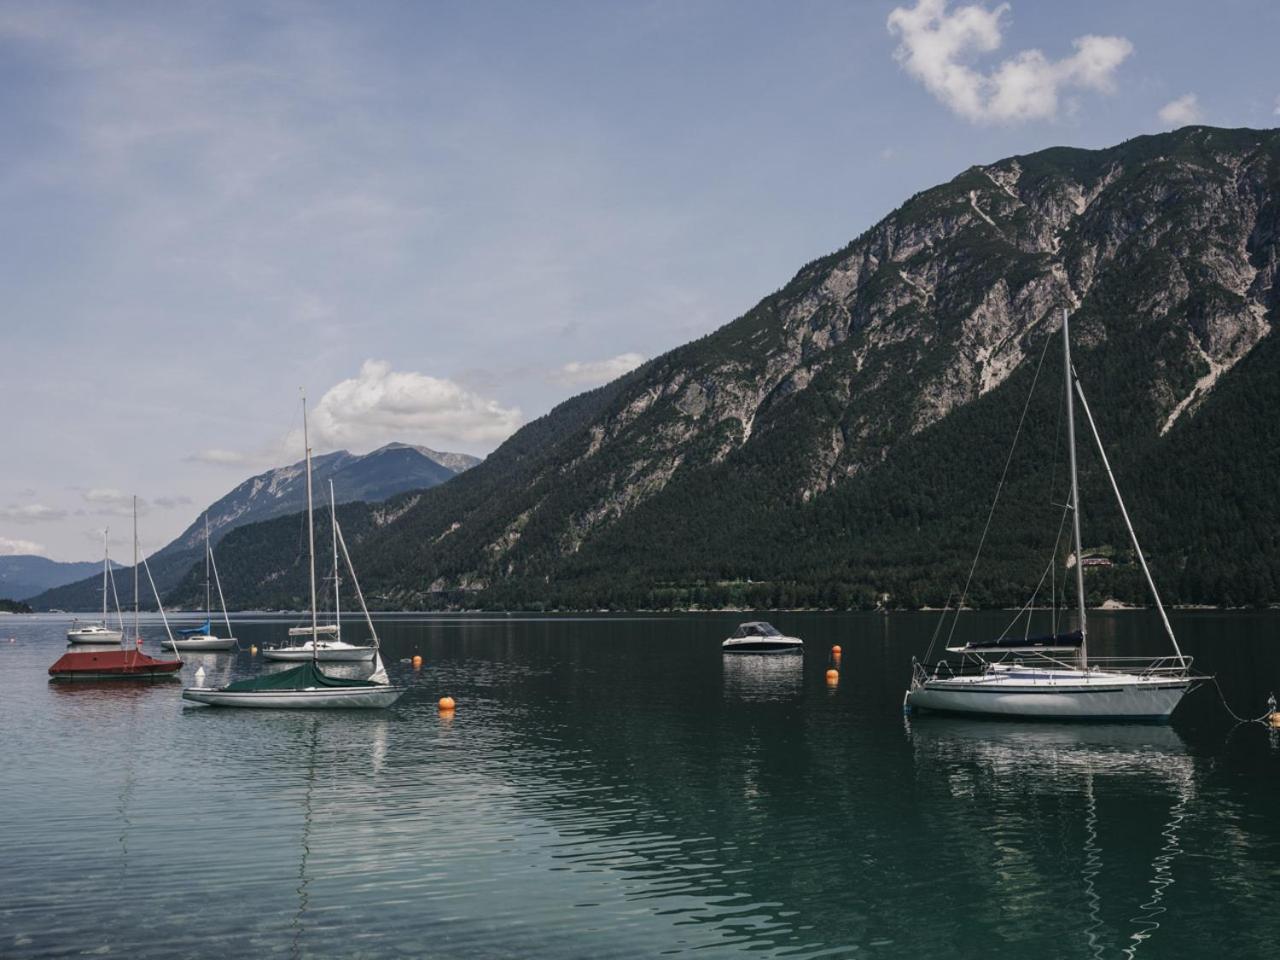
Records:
x=613, y=787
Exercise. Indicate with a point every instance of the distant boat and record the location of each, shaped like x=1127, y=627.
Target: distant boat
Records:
x=333, y=649
x=1050, y=677
x=760, y=637
x=127, y=663
x=98, y=632
x=307, y=686
x=202, y=638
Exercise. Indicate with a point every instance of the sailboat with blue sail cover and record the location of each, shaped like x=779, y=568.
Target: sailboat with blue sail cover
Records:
x=202, y=638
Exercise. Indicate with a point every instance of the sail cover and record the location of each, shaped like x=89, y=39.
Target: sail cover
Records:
x=1049, y=642
x=305, y=676
x=205, y=629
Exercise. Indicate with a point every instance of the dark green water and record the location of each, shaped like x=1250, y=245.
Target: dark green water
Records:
x=615, y=788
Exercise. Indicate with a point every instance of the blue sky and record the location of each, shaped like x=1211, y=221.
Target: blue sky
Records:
x=442, y=219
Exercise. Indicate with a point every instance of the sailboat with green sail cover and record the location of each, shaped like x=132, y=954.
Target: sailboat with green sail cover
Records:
x=307, y=686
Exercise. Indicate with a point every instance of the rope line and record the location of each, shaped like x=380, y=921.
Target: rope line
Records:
x=1261, y=718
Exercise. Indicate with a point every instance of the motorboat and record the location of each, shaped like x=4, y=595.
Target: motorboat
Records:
x=760, y=637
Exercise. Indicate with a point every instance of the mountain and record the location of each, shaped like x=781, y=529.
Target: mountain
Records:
x=839, y=444
x=389, y=470
x=24, y=575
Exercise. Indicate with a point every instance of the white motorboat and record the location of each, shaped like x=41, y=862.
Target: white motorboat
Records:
x=202, y=639
x=760, y=637
x=307, y=686
x=1052, y=677
x=98, y=632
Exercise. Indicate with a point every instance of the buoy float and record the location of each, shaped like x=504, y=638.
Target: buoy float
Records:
x=836, y=651
x=253, y=651
x=446, y=704
x=833, y=677
x=417, y=664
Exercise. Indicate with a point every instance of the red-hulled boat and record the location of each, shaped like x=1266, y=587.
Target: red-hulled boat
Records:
x=126, y=663
x=111, y=665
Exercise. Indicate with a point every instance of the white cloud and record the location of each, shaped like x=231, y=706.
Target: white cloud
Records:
x=112, y=502
x=222, y=458
x=379, y=405
x=169, y=503
x=11, y=548
x=1182, y=111
x=31, y=513
x=592, y=373
x=938, y=46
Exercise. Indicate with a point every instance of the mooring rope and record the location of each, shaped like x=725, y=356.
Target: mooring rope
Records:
x=1261, y=718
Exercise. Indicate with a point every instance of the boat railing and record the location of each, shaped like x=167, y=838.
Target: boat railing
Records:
x=970, y=666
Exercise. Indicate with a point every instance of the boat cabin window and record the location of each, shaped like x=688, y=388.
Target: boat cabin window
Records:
x=758, y=629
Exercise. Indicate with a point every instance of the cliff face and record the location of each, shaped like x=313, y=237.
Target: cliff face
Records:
x=1164, y=248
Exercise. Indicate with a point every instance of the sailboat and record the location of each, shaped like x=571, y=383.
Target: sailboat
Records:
x=325, y=640
x=126, y=663
x=98, y=632
x=202, y=638
x=1052, y=677
x=307, y=686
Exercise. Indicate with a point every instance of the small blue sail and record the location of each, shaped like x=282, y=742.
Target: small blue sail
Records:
x=205, y=628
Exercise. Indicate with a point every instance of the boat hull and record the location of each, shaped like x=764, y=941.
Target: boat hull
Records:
x=354, y=655
x=112, y=665
x=93, y=636
x=763, y=645
x=198, y=644
x=1140, y=700
x=336, y=698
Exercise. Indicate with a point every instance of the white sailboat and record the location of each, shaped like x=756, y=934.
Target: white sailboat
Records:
x=98, y=632
x=307, y=686
x=1052, y=677
x=202, y=638
x=325, y=640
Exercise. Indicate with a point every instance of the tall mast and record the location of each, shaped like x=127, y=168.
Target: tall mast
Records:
x=208, y=608
x=106, y=558
x=311, y=533
x=333, y=521
x=136, y=632
x=1075, y=490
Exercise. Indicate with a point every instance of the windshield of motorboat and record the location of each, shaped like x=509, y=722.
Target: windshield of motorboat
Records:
x=757, y=629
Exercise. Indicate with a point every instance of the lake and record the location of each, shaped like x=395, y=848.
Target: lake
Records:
x=614, y=787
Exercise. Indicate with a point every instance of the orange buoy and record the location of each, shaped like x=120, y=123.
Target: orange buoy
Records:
x=833, y=677
x=446, y=704
x=836, y=651
x=417, y=662
x=253, y=651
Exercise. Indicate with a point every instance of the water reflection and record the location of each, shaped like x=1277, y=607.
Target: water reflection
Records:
x=763, y=676
x=1008, y=770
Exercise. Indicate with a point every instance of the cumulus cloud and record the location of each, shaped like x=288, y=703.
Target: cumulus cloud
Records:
x=12, y=548
x=1182, y=111
x=31, y=513
x=592, y=373
x=938, y=46
x=222, y=458
x=381, y=404
x=113, y=502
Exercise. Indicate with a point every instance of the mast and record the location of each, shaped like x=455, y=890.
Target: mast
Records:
x=1075, y=489
x=333, y=521
x=106, y=559
x=311, y=533
x=136, y=632
x=208, y=608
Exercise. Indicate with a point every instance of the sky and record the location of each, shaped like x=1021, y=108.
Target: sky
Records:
x=441, y=219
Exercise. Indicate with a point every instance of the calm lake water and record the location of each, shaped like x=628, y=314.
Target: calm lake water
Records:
x=615, y=788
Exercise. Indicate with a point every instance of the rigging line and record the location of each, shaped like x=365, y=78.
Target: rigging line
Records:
x=999, y=488
x=938, y=629
x=160, y=606
x=221, y=599
x=1053, y=557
